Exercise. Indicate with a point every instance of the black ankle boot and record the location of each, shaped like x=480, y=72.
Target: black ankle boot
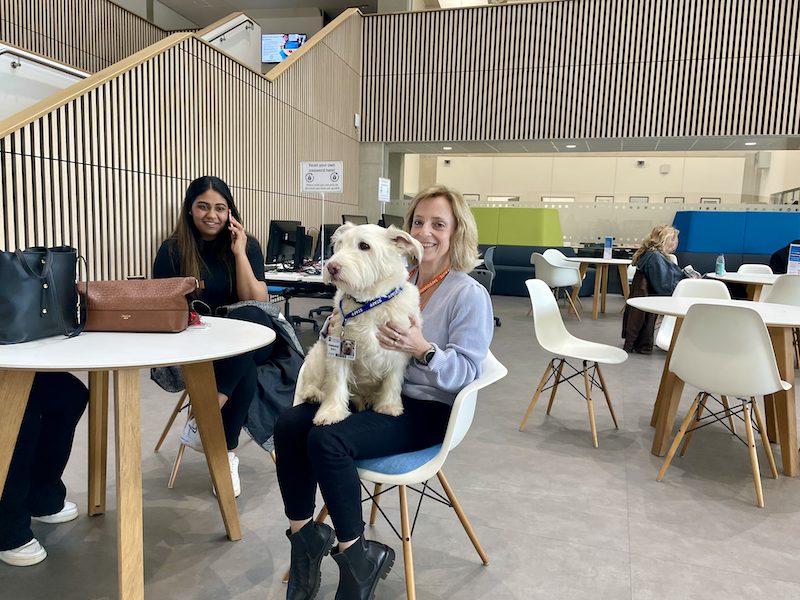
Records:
x=309, y=545
x=360, y=568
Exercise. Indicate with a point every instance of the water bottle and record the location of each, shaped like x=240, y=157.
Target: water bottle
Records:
x=719, y=269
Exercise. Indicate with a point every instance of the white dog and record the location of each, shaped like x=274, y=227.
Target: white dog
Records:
x=369, y=273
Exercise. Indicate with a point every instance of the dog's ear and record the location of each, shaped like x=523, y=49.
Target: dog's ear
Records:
x=405, y=243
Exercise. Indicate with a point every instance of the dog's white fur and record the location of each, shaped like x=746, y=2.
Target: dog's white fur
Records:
x=367, y=263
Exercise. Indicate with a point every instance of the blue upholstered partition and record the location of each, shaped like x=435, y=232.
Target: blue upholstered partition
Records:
x=767, y=232
x=715, y=232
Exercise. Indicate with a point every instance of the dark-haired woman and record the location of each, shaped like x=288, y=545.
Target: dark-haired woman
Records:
x=210, y=243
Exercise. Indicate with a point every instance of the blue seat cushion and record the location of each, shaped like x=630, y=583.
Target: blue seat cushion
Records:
x=397, y=464
x=276, y=289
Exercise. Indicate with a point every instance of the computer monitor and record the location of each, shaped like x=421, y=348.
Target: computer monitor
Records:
x=281, y=243
x=328, y=230
x=393, y=220
x=302, y=247
x=355, y=219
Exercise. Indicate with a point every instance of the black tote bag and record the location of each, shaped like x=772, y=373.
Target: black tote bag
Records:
x=38, y=298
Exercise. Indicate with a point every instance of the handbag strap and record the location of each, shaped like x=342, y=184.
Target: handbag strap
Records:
x=82, y=324
x=45, y=271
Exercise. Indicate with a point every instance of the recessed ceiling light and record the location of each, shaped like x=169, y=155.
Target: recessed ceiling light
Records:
x=751, y=143
x=571, y=146
x=447, y=147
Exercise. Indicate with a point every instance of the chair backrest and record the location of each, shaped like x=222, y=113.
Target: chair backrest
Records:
x=785, y=290
x=755, y=268
x=483, y=276
x=690, y=288
x=725, y=350
x=547, y=323
x=488, y=258
x=554, y=275
x=557, y=258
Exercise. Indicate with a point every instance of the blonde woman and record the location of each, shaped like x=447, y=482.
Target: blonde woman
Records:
x=656, y=275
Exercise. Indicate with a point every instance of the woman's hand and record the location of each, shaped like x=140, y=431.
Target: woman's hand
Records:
x=406, y=339
x=238, y=237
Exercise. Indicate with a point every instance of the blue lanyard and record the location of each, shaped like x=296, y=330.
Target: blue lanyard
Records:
x=367, y=306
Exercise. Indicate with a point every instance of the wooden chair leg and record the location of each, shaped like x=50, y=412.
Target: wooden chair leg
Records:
x=373, y=514
x=555, y=385
x=175, y=466
x=589, y=404
x=171, y=420
x=536, y=395
x=273, y=456
x=727, y=406
x=405, y=531
x=572, y=306
x=765, y=440
x=751, y=447
x=677, y=441
x=605, y=393
x=690, y=433
x=462, y=517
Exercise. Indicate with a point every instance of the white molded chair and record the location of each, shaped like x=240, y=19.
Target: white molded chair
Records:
x=785, y=290
x=557, y=273
x=690, y=288
x=554, y=337
x=726, y=350
x=755, y=269
x=412, y=468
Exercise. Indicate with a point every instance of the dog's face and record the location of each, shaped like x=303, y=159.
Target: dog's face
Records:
x=367, y=260
x=347, y=347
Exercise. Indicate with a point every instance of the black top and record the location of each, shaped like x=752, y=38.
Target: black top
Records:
x=219, y=280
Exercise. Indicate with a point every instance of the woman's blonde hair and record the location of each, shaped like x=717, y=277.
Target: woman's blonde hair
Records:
x=464, y=241
x=657, y=239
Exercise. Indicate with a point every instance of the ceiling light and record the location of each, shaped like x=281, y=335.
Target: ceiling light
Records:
x=751, y=143
x=447, y=147
x=571, y=146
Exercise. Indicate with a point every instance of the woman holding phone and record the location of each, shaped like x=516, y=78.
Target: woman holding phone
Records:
x=211, y=244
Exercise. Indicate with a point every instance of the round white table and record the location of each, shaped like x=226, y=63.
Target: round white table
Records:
x=601, y=278
x=754, y=281
x=124, y=354
x=780, y=319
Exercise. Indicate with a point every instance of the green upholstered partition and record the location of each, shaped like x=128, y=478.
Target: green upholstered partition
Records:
x=518, y=226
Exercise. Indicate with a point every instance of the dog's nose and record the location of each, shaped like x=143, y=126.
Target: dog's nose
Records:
x=333, y=268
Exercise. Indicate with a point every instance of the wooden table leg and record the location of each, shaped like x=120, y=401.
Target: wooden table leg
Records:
x=784, y=402
x=623, y=278
x=98, y=441
x=604, y=290
x=15, y=387
x=130, y=559
x=598, y=277
x=662, y=386
x=202, y=388
x=666, y=415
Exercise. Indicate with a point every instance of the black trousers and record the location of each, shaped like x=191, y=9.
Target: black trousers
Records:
x=34, y=486
x=237, y=379
x=310, y=455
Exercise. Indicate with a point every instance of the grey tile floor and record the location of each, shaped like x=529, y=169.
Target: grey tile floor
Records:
x=558, y=518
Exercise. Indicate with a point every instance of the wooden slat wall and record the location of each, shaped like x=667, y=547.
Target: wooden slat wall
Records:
x=106, y=172
x=583, y=69
x=88, y=34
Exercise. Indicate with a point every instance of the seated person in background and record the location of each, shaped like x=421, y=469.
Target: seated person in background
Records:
x=33, y=487
x=779, y=261
x=656, y=275
x=210, y=244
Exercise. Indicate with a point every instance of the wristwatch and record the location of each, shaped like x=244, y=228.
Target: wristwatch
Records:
x=428, y=356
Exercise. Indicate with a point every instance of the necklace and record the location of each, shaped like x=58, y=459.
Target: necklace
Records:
x=424, y=288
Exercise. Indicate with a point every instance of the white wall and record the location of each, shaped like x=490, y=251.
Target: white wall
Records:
x=163, y=16
x=30, y=81
x=242, y=40
x=782, y=174
x=286, y=20
x=583, y=177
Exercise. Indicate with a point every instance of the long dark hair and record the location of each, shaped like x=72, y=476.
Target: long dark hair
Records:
x=187, y=237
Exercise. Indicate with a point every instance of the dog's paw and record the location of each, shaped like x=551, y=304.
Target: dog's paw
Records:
x=393, y=409
x=328, y=415
x=309, y=394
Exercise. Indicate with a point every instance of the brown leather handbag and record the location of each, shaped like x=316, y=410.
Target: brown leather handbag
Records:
x=145, y=306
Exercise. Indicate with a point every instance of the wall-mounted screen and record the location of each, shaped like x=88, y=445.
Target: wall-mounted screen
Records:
x=276, y=47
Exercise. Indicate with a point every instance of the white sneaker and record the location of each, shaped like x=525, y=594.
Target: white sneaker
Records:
x=26, y=555
x=68, y=513
x=190, y=436
x=233, y=463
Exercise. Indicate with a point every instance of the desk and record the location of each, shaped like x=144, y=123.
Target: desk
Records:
x=754, y=281
x=781, y=413
x=124, y=354
x=601, y=279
